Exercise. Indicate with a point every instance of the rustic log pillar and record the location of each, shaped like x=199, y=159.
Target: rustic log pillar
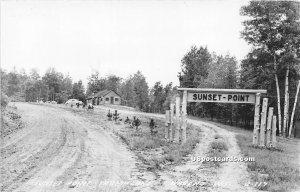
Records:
x=176, y=135
x=256, y=119
x=274, y=128
x=167, y=124
x=269, y=126
x=171, y=130
x=184, y=121
x=263, y=122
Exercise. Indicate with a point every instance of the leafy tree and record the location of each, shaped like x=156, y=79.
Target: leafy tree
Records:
x=274, y=27
x=66, y=89
x=140, y=88
x=95, y=83
x=113, y=83
x=194, y=67
x=34, y=74
x=78, y=91
x=127, y=92
x=13, y=83
x=158, y=97
x=53, y=80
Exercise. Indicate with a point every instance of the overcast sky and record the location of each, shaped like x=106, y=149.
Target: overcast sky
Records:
x=113, y=37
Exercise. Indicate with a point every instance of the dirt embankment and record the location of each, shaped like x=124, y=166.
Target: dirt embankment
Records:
x=10, y=121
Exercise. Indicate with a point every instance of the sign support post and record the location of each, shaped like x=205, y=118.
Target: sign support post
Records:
x=177, y=128
x=167, y=125
x=256, y=119
x=274, y=131
x=184, y=113
x=171, y=121
x=263, y=122
x=269, y=126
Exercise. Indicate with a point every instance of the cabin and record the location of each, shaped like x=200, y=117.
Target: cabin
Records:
x=104, y=97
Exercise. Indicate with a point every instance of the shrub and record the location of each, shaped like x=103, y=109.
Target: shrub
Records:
x=4, y=100
x=219, y=145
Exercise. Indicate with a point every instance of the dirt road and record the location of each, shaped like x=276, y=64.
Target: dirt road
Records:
x=57, y=151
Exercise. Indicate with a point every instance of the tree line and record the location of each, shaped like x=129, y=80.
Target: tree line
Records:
x=55, y=86
x=52, y=86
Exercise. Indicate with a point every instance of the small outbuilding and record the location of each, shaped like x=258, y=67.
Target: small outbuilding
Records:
x=104, y=97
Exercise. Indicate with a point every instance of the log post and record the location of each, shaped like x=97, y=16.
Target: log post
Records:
x=274, y=131
x=184, y=122
x=269, y=126
x=256, y=119
x=172, y=106
x=167, y=135
x=286, y=104
x=263, y=122
x=293, y=112
x=176, y=136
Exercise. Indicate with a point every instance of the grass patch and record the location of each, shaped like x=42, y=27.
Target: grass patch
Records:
x=217, y=149
x=217, y=136
x=278, y=168
x=155, y=150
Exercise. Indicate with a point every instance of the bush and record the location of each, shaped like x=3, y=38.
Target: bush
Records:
x=219, y=145
x=4, y=100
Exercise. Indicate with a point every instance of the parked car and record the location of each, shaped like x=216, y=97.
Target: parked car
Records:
x=73, y=102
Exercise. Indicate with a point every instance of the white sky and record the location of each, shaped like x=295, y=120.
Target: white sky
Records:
x=114, y=37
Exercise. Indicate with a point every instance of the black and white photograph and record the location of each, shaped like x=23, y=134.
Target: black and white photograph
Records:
x=150, y=96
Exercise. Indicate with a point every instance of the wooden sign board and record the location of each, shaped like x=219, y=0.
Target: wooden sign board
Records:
x=218, y=97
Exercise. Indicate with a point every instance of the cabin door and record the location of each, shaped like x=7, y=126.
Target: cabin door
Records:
x=112, y=100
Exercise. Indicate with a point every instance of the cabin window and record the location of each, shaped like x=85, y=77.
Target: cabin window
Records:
x=116, y=99
x=106, y=99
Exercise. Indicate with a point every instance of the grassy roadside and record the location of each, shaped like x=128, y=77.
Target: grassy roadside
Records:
x=273, y=170
x=154, y=150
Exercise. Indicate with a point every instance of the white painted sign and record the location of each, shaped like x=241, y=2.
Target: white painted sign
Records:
x=221, y=97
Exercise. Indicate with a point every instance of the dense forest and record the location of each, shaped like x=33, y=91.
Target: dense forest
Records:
x=271, y=28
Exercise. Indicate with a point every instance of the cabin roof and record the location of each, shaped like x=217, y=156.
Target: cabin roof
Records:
x=101, y=94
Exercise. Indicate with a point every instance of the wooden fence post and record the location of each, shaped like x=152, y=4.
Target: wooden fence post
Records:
x=176, y=136
x=167, y=134
x=269, y=126
x=256, y=119
x=184, y=123
x=263, y=122
x=171, y=121
x=274, y=131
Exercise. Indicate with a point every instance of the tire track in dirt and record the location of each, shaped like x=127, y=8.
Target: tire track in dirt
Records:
x=231, y=176
x=54, y=174
x=27, y=159
x=89, y=156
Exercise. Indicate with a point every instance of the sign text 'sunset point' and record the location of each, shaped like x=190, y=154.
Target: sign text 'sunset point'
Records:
x=221, y=97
